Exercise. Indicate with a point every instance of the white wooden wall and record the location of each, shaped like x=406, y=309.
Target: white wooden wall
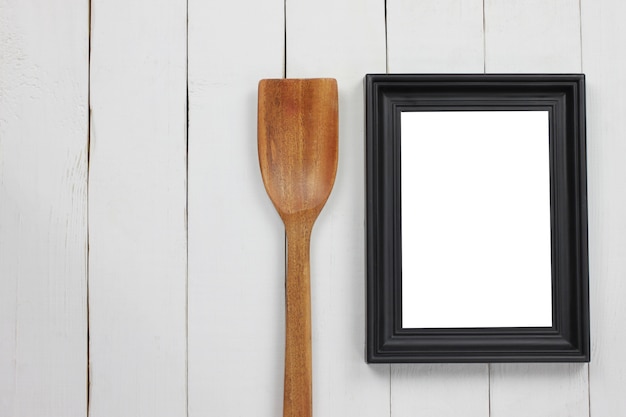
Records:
x=141, y=263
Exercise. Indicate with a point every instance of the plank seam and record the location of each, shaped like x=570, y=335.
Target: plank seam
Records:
x=580, y=32
x=285, y=42
x=16, y=350
x=390, y=391
x=387, y=71
x=89, y=132
x=187, y=208
x=484, y=40
x=588, y=390
x=489, y=388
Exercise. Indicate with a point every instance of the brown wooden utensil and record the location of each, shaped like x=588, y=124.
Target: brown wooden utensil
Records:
x=298, y=145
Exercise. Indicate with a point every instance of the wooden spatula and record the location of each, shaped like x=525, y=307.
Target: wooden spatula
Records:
x=298, y=144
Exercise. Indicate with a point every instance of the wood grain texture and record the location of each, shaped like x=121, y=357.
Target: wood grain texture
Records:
x=43, y=208
x=297, y=140
x=543, y=390
x=539, y=37
x=236, y=243
x=431, y=36
x=532, y=36
x=441, y=389
x=137, y=234
x=343, y=40
x=604, y=37
x=236, y=239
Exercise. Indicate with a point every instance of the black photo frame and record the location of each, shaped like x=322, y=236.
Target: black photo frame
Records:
x=563, y=96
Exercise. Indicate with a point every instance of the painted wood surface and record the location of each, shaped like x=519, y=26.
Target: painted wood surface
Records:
x=604, y=62
x=236, y=256
x=538, y=37
x=44, y=51
x=137, y=208
x=435, y=36
x=440, y=389
x=344, y=40
x=138, y=313
x=532, y=36
x=546, y=390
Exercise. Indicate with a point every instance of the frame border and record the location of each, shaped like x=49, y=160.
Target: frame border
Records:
x=563, y=95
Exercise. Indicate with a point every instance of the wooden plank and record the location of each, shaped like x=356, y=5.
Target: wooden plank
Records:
x=344, y=40
x=539, y=390
x=535, y=36
x=236, y=258
x=546, y=390
x=532, y=36
x=431, y=36
x=457, y=46
x=439, y=390
x=43, y=208
x=137, y=207
x=604, y=37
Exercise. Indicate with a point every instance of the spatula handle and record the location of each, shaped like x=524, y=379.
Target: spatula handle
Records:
x=298, y=381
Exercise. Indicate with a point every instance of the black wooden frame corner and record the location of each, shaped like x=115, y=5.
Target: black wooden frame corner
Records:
x=563, y=95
